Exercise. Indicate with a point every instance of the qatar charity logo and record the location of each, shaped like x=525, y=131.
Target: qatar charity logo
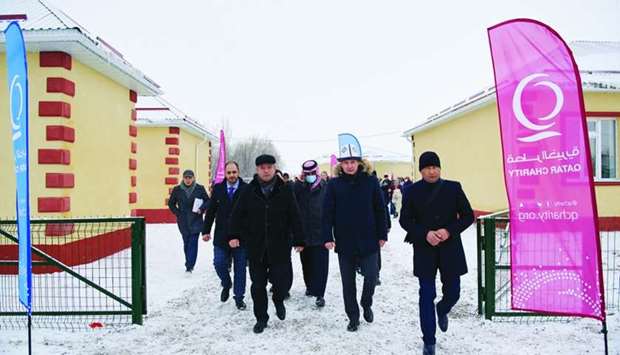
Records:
x=16, y=106
x=541, y=131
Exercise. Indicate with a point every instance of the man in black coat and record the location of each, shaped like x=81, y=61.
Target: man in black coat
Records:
x=434, y=213
x=188, y=202
x=315, y=257
x=225, y=194
x=354, y=223
x=262, y=220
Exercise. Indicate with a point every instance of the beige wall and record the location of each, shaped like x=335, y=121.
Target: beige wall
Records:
x=195, y=154
x=470, y=151
x=100, y=115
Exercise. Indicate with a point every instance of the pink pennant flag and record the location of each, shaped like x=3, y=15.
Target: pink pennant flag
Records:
x=220, y=173
x=333, y=160
x=554, y=236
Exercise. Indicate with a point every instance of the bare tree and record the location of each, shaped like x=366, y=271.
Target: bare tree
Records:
x=246, y=151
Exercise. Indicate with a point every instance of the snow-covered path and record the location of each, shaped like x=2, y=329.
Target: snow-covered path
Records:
x=186, y=316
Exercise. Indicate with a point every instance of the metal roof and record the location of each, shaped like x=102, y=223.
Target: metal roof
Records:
x=49, y=29
x=160, y=113
x=599, y=68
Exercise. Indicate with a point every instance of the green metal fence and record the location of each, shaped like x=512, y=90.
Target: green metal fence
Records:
x=86, y=272
x=494, y=288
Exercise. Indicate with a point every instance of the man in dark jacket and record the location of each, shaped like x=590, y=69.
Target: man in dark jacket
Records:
x=188, y=202
x=315, y=257
x=262, y=220
x=354, y=222
x=225, y=194
x=434, y=213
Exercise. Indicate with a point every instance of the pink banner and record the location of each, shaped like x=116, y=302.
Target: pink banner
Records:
x=220, y=173
x=333, y=160
x=554, y=243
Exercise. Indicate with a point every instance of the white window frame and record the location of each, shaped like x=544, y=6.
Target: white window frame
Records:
x=599, y=147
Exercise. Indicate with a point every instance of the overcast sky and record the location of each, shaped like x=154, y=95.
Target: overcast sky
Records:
x=300, y=72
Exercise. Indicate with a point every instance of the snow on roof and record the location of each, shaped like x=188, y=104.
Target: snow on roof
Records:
x=374, y=154
x=599, y=68
x=157, y=112
x=48, y=28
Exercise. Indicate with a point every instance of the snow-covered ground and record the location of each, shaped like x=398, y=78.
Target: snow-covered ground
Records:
x=186, y=316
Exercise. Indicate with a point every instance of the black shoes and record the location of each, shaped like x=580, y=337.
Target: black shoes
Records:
x=428, y=350
x=368, y=315
x=240, y=305
x=225, y=294
x=259, y=327
x=280, y=310
x=442, y=321
x=353, y=325
x=308, y=293
x=320, y=302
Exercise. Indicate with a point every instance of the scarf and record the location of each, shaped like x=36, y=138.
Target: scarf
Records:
x=188, y=189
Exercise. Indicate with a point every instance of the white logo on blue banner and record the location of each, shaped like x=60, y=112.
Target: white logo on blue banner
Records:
x=18, y=104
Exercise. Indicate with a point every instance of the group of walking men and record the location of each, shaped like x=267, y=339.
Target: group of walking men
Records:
x=258, y=223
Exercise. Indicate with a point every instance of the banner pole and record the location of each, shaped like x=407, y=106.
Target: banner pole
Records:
x=604, y=331
x=29, y=333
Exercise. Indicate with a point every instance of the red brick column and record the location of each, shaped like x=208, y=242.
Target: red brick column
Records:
x=133, y=150
x=58, y=113
x=172, y=160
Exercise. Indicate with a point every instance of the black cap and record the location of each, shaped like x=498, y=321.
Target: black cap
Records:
x=429, y=159
x=265, y=159
x=188, y=173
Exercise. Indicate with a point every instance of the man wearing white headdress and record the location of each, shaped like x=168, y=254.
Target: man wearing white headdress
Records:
x=354, y=223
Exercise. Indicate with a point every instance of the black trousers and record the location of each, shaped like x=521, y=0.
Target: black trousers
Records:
x=369, y=266
x=260, y=273
x=315, y=265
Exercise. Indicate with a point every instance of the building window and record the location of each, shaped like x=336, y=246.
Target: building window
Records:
x=603, y=141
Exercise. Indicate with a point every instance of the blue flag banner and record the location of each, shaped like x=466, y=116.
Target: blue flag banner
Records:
x=18, y=105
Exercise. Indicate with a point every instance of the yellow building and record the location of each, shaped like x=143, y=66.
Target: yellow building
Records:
x=83, y=133
x=82, y=119
x=383, y=162
x=168, y=143
x=467, y=138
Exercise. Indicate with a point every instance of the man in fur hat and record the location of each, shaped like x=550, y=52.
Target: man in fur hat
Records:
x=354, y=223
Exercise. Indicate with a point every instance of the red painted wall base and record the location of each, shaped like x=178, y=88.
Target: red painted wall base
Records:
x=74, y=253
x=162, y=215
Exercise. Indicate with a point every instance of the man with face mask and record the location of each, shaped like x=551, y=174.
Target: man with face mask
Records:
x=434, y=213
x=263, y=219
x=315, y=257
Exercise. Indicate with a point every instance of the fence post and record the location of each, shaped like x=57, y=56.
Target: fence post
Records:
x=143, y=241
x=479, y=247
x=489, y=267
x=136, y=271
